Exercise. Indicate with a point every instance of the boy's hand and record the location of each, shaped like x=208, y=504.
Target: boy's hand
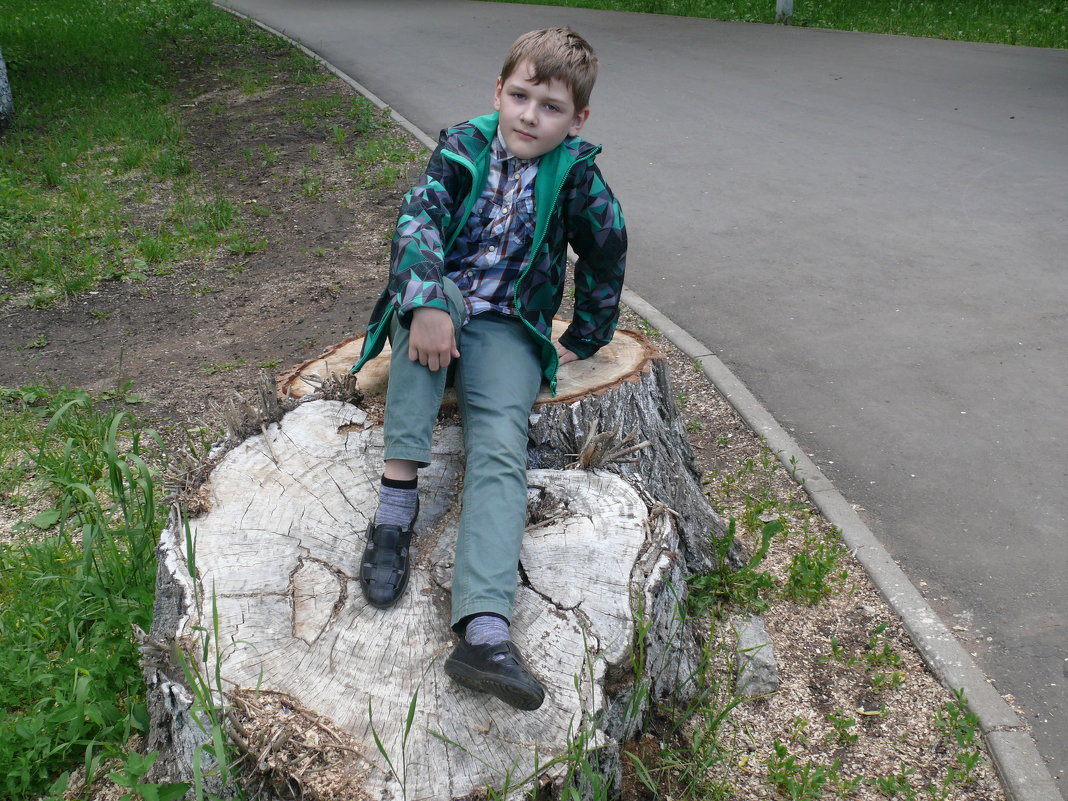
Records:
x=564, y=354
x=431, y=339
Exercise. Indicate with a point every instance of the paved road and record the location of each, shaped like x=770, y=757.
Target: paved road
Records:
x=871, y=231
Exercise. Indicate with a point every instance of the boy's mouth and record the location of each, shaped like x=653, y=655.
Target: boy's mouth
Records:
x=525, y=135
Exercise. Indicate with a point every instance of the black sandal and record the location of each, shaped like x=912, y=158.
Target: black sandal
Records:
x=384, y=567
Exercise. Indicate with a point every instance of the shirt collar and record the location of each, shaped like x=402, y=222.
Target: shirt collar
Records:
x=500, y=152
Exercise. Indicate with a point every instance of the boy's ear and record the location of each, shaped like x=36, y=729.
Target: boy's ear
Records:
x=579, y=121
x=497, y=94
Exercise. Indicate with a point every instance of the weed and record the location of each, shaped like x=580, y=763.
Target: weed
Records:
x=339, y=137
x=745, y=587
x=838, y=654
x=881, y=682
x=879, y=653
x=39, y=341
x=243, y=245
x=222, y=368
x=211, y=759
x=811, y=567
x=842, y=726
x=799, y=730
x=218, y=213
x=758, y=510
x=269, y=155
x=959, y=728
x=957, y=724
x=310, y=185
x=796, y=781
x=896, y=785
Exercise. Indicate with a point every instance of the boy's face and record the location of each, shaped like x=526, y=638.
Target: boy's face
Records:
x=535, y=118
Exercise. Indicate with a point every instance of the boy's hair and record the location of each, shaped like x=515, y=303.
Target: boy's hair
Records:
x=556, y=54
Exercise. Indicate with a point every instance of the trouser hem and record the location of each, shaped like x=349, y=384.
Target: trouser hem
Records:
x=419, y=455
x=480, y=608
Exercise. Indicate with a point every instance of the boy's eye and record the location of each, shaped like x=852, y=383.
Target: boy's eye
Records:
x=551, y=107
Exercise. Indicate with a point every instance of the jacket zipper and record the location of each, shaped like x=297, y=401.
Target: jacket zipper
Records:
x=533, y=255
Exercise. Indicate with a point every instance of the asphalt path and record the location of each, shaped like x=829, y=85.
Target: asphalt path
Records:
x=871, y=231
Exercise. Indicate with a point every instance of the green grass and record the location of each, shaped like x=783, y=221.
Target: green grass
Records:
x=95, y=178
x=96, y=183
x=1035, y=23
x=84, y=571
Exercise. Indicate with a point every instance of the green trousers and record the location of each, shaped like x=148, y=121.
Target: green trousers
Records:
x=496, y=379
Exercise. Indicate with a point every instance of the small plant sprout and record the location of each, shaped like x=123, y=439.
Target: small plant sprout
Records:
x=269, y=155
x=842, y=726
x=799, y=730
x=339, y=137
x=794, y=780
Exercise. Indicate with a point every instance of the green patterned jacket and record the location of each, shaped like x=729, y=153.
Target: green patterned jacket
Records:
x=573, y=205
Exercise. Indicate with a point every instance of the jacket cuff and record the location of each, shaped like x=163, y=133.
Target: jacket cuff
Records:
x=583, y=348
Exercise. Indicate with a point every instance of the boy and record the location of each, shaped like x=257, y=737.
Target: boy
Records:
x=476, y=273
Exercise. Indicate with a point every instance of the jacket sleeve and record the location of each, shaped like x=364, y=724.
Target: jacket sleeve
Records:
x=417, y=258
x=598, y=235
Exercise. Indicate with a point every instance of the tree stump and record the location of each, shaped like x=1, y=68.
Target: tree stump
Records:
x=260, y=589
x=7, y=104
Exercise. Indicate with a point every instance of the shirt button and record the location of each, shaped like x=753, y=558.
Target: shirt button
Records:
x=492, y=248
x=505, y=208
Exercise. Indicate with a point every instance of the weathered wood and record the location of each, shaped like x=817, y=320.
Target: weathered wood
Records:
x=626, y=356
x=276, y=563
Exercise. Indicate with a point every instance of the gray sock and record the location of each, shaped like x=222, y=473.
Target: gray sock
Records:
x=396, y=506
x=486, y=630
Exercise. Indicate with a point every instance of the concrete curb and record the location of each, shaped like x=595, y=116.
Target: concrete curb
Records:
x=1023, y=773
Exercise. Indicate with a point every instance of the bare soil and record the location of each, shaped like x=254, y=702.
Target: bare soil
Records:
x=190, y=340
x=187, y=340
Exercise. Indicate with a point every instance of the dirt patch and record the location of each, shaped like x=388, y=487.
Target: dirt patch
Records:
x=188, y=340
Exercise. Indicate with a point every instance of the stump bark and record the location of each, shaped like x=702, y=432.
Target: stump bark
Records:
x=264, y=584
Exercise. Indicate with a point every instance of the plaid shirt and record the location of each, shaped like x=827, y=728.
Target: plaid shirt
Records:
x=489, y=254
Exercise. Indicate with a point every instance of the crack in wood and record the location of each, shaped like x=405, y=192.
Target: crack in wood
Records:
x=310, y=583
x=524, y=579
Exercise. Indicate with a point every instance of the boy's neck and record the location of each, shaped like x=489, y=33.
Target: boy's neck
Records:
x=508, y=154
